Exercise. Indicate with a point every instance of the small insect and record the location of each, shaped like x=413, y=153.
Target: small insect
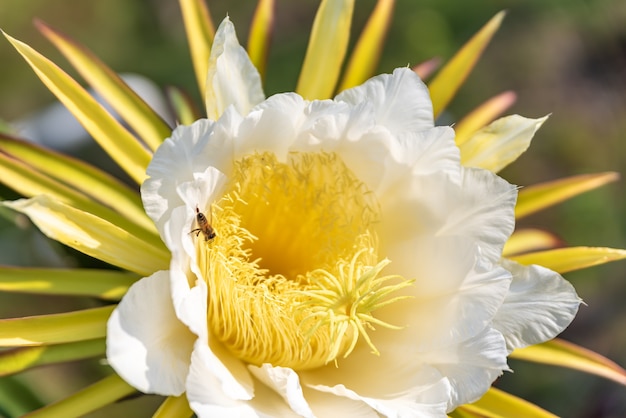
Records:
x=204, y=226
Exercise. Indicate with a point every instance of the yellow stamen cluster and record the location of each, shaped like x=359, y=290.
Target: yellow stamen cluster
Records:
x=293, y=274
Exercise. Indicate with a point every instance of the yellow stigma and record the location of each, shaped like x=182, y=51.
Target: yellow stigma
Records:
x=293, y=272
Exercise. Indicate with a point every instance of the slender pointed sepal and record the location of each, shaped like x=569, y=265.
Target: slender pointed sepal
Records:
x=527, y=240
x=87, y=324
x=148, y=125
x=116, y=140
x=104, y=392
x=184, y=109
x=496, y=403
x=563, y=260
x=562, y=353
x=534, y=198
x=326, y=50
x=366, y=54
x=261, y=34
x=87, y=184
x=23, y=358
x=92, y=235
x=200, y=32
x=448, y=81
x=174, y=407
x=500, y=143
x=482, y=115
x=102, y=284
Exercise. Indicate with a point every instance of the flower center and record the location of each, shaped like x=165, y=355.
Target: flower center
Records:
x=293, y=272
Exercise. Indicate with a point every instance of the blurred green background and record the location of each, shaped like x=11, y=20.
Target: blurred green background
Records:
x=564, y=57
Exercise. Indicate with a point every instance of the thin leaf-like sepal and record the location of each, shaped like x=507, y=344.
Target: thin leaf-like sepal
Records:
x=174, y=407
x=500, y=143
x=116, y=140
x=526, y=240
x=366, y=54
x=23, y=358
x=563, y=260
x=94, y=184
x=150, y=127
x=482, y=115
x=534, y=198
x=103, y=284
x=498, y=404
x=91, y=398
x=200, y=32
x=561, y=353
x=326, y=50
x=182, y=105
x=92, y=235
x=260, y=34
x=447, y=82
x=68, y=327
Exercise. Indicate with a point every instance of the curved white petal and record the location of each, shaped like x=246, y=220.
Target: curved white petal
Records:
x=471, y=366
x=173, y=162
x=401, y=100
x=232, y=79
x=397, y=384
x=450, y=301
x=540, y=304
x=285, y=382
x=146, y=344
x=216, y=377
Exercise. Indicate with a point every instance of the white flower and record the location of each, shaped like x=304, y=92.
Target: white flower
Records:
x=356, y=265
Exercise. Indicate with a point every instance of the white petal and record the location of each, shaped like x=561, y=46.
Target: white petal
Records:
x=397, y=384
x=232, y=78
x=173, y=162
x=450, y=301
x=216, y=377
x=540, y=305
x=401, y=100
x=286, y=383
x=146, y=344
x=500, y=143
x=480, y=207
x=324, y=403
x=471, y=366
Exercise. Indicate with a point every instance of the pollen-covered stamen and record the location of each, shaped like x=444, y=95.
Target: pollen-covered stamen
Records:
x=293, y=271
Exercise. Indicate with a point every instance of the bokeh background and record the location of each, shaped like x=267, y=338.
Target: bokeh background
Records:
x=564, y=57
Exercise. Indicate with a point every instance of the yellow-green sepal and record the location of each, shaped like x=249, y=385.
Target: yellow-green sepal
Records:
x=93, y=235
x=102, y=393
x=117, y=141
x=23, y=358
x=446, y=83
x=366, y=54
x=498, y=404
x=261, y=34
x=326, y=50
x=33, y=170
x=184, y=108
x=529, y=239
x=482, y=115
x=534, y=198
x=174, y=407
x=563, y=260
x=148, y=125
x=87, y=324
x=200, y=31
x=561, y=353
x=500, y=143
x=102, y=284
